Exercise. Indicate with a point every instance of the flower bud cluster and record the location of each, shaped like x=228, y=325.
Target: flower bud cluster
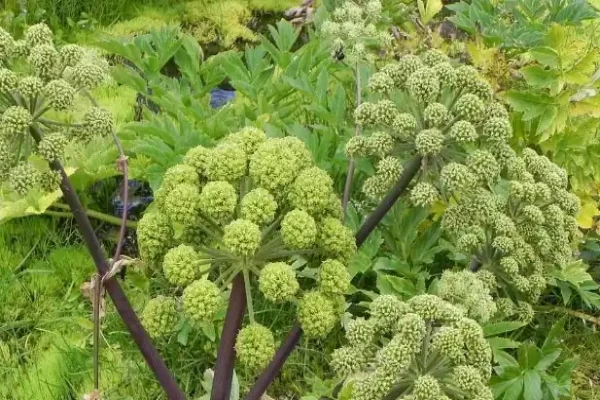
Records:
x=393, y=348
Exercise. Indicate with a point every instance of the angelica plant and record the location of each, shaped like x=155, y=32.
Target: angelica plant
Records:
x=39, y=82
x=247, y=208
x=424, y=107
x=421, y=349
x=515, y=216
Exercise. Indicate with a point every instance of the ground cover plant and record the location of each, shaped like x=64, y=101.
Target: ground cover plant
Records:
x=396, y=203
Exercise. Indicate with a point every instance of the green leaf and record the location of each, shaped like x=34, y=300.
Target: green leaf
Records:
x=515, y=390
x=388, y=284
x=546, y=56
x=538, y=77
x=503, y=343
x=547, y=360
x=554, y=334
x=532, y=385
x=532, y=105
x=501, y=327
x=575, y=273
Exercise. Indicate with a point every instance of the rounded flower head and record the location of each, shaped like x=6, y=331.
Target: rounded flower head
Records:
x=463, y=132
x=466, y=76
x=8, y=80
x=181, y=265
x=278, y=282
x=465, y=290
x=386, y=112
x=424, y=194
x=218, y=200
x=15, y=120
x=277, y=162
x=86, y=75
x=366, y=114
x=38, y=34
x=433, y=57
x=23, y=178
x=446, y=74
x=6, y=44
x=333, y=278
x=448, y=341
x=242, y=237
x=389, y=170
x=258, y=206
x=255, y=346
x=429, y=142
x=43, y=60
x=404, y=125
x=197, y=157
x=497, y=129
x=50, y=180
x=411, y=328
x=181, y=204
x=423, y=85
x=160, y=316
x=311, y=190
x=98, y=122
x=175, y=176
x=386, y=310
x=380, y=143
x=317, y=315
x=346, y=361
x=226, y=162
x=430, y=307
x=496, y=110
x=155, y=234
x=357, y=146
x=427, y=388
x=468, y=379
x=435, y=114
x=336, y=240
x=30, y=86
x=59, y=94
x=469, y=107
x=483, y=165
x=248, y=138
x=457, y=177
x=70, y=55
x=380, y=83
x=202, y=300
x=482, y=89
x=360, y=332
x=400, y=71
x=52, y=146
x=298, y=230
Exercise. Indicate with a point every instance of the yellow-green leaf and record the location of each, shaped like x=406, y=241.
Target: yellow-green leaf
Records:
x=589, y=210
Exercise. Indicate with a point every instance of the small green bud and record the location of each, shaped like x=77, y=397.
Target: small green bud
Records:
x=30, y=86
x=181, y=265
x=86, y=75
x=380, y=83
x=433, y=57
x=226, y=162
x=423, y=85
x=8, y=80
x=38, y=34
x=380, y=144
x=366, y=114
x=181, y=204
x=357, y=146
x=218, y=200
x=197, y=157
x=483, y=165
x=278, y=282
x=404, y=125
x=59, y=94
x=23, y=178
x=70, y=55
x=469, y=107
x=50, y=180
x=401, y=70
x=385, y=112
x=386, y=310
x=435, y=114
x=98, y=122
x=242, y=237
x=424, y=194
x=43, y=59
x=52, y=146
x=429, y=142
x=155, y=234
x=298, y=229
x=258, y=206
x=336, y=240
x=15, y=120
x=255, y=346
x=446, y=74
x=202, y=301
x=160, y=316
x=311, y=190
x=463, y=132
x=497, y=129
x=333, y=278
x=317, y=315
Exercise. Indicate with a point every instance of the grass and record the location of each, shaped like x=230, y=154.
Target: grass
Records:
x=584, y=341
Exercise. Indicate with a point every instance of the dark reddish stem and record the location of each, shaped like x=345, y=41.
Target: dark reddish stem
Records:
x=221, y=388
x=122, y=305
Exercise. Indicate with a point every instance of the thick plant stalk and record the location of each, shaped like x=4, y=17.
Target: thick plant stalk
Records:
x=221, y=388
x=410, y=170
x=474, y=265
x=352, y=162
x=128, y=315
x=293, y=338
